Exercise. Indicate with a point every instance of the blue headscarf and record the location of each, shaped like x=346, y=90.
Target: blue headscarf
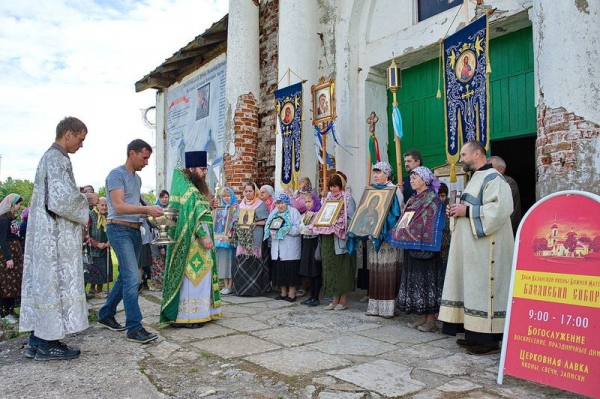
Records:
x=285, y=215
x=232, y=202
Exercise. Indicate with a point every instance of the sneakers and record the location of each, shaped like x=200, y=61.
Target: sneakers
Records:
x=30, y=352
x=56, y=350
x=225, y=291
x=141, y=336
x=111, y=323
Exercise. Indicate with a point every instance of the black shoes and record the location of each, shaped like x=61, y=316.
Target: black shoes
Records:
x=280, y=297
x=30, y=352
x=290, y=299
x=111, y=323
x=488, y=349
x=477, y=348
x=56, y=350
x=141, y=336
x=187, y=325
x=310, y=302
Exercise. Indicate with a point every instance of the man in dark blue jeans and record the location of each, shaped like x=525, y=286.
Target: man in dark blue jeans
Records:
x=123, y=231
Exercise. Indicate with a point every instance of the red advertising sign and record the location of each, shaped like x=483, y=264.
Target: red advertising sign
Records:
x=552, y=334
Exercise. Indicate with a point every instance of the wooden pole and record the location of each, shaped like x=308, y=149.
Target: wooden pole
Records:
x=466, y=7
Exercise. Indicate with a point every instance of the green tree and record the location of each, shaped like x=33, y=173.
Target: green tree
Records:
x=149, y=197
x=22, y=187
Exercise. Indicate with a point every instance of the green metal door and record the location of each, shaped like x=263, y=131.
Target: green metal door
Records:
x=512, y=112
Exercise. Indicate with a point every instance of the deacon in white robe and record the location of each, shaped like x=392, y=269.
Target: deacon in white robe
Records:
x=53, y=300
x=480, y=259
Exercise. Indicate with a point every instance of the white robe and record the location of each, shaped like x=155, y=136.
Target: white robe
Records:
x=480, y=259
x=53, y=301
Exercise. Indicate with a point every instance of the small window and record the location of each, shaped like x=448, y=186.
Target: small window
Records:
x=429, y=8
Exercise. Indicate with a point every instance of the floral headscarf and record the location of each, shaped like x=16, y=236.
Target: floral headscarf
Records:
x=428, y=177
x=285, y=215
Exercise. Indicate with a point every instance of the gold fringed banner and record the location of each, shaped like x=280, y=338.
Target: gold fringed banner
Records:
x=465, y=66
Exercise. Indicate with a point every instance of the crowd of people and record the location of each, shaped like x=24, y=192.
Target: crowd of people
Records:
x=440, y=261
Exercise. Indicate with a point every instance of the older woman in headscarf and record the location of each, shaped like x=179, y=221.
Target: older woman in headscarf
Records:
x=11, y=257
x=99, y=264
x=283, y=226
x=421, y=276
x=250, y=271
x=383, y=260
x=266, y=196
x=224, y=244
x=338, y=265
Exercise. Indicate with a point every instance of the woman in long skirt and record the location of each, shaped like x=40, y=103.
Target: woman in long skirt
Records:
x=338, y=265
x=250, y=272
x=11, y=257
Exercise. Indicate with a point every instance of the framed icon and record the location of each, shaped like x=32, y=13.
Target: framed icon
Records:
x=323, y=101
x=246, y=218
x=329, y=213
x=276, y=223
x=372, y=211
x=222, y=222
x=307, y=218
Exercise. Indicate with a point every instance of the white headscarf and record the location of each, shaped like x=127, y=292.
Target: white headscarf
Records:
x=8, y=202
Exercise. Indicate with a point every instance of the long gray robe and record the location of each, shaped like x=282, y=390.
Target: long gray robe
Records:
x=480, y=259
x=53, y=301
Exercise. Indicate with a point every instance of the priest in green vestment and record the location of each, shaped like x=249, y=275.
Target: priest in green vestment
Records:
x=191, y=285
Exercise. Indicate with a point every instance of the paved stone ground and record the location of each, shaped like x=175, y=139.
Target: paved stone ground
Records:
x=263, y=348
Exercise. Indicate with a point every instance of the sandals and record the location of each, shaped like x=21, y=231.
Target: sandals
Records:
x=418, y=323
x=428, y=327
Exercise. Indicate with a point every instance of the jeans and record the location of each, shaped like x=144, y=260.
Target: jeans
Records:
x=35, y=342
x=127, y=243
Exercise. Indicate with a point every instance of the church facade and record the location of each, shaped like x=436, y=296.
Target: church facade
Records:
x=544, y=85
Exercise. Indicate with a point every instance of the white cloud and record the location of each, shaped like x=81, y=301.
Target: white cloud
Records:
x=81, y=58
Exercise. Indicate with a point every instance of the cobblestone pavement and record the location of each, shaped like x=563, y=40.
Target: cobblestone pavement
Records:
x=263, y=348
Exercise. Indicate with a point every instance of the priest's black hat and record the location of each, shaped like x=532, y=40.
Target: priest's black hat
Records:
x=195, y=159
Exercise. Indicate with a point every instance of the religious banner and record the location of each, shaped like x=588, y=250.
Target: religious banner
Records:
x=288, y=105
x=465, y=60
x=552, y=330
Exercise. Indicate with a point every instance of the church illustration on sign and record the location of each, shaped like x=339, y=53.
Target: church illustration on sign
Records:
x=571, y=244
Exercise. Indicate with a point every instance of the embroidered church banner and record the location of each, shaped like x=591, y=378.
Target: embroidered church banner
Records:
x=288, y=104
x=466, y=88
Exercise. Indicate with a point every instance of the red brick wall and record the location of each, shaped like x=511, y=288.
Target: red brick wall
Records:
x=254, y=118
x=566, y=152
x=268, y=52
x=241, y=167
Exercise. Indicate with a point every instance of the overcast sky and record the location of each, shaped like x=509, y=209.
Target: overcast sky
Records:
x=82, y=58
